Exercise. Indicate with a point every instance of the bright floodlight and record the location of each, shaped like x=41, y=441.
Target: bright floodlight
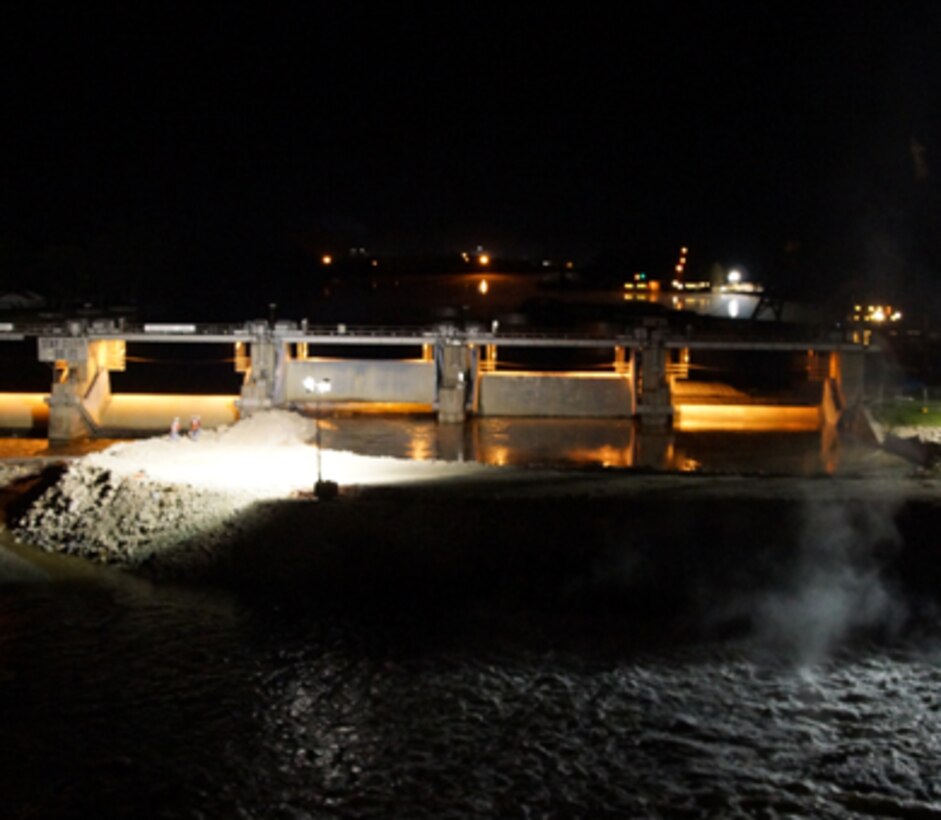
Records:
x=735, y=276
x=319, y=386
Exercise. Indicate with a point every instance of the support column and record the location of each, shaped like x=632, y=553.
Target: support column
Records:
x=848, y=368
x=81, y=388
x=452, y=382
x=258, y=389
x=655, y=405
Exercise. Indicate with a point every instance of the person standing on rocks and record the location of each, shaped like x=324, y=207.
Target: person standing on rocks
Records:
x=195, y=426
x=175, y=428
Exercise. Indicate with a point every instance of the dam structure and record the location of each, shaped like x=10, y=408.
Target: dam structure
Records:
x=644, y=372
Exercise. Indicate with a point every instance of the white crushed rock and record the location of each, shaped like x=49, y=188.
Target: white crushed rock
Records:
x=14, y=471
x=926, y=434
x=166, y=505
x=111, y=518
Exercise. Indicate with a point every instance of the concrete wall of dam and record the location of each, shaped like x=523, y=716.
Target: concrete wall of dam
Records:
x=606, y=395
x=645, y=375
x=351, y=380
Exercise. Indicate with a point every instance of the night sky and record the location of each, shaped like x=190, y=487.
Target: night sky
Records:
x=222, y=143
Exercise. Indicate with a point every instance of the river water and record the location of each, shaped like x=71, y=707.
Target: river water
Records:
x=124, y=698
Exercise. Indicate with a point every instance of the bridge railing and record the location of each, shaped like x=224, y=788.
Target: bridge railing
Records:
x=300, y=330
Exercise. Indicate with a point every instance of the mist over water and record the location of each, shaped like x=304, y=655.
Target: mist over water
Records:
x=777, y=658
x=834, y=586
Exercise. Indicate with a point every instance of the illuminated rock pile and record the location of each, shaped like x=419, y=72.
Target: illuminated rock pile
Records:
x=126, y=520
x=166, y=505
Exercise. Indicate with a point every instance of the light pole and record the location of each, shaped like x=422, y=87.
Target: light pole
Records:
x=319, y=387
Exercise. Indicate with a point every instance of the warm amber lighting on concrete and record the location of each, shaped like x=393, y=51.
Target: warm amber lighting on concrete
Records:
x=23, y=411
x=691, y=418
x=154, y=412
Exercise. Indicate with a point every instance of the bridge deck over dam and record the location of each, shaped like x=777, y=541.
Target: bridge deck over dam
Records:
x=648, y=372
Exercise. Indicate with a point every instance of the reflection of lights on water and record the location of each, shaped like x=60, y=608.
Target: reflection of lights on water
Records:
x=700, y=417
x=483, y=287
x=733, y=308
x=604, y=456
x=497, y=456
x=419, y=448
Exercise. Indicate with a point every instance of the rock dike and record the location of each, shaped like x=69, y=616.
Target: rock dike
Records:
x=129, y=520
x=235, y=506
x=168, y=506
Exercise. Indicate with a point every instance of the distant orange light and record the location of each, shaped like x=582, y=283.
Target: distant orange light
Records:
x=679, y=268
x=326, y=259
x=483, y=259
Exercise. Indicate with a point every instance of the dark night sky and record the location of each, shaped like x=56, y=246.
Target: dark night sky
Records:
x=798, y=142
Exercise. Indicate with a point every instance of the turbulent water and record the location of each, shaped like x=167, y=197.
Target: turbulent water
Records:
x=123, y=698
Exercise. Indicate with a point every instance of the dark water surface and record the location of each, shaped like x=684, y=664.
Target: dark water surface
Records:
x=819, y=698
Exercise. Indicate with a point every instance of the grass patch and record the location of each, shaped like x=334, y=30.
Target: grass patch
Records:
x=908, y=413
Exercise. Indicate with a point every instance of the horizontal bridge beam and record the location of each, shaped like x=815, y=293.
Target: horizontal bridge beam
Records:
x=300, y=333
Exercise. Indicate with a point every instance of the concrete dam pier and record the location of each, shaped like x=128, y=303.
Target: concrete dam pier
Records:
x=643, y=373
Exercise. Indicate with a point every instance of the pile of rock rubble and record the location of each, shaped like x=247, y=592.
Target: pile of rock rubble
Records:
x=127, y=520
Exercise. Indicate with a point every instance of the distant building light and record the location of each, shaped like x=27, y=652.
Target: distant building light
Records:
x=735, y=276
x=326, y=259
x=483, y=260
